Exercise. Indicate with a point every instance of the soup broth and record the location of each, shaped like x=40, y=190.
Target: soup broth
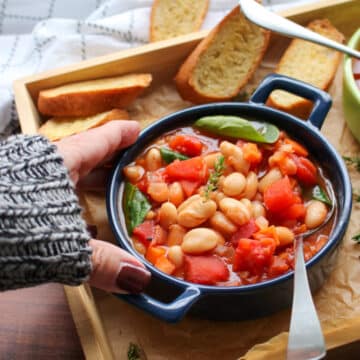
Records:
x=219, y=211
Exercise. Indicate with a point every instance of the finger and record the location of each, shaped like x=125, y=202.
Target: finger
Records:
x=84, y=151
x=115, y=270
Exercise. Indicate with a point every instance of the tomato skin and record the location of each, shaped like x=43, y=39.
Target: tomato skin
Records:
x=145, y=232
x=205, y=269
x=297, y=148
x=244, y=231
x=189, y=187
x=294, y=212
x=193, y=169
x=254, y=255
x=278, y=266
x=279, y=195
x=149, y=177
x=187, y=145
x=306, y=170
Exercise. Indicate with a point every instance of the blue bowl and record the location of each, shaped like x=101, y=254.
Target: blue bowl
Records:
x=169, y=298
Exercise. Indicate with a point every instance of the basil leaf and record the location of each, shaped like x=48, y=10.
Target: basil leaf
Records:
x=237, y=127
x=169, y=156
x=136, y=206
x=319, y=194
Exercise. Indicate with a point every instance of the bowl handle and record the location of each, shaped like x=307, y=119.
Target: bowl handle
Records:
x=322, y=100
x=170, y=312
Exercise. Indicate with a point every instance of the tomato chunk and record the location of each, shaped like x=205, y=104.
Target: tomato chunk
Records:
x=165, y=265
x=279, y=195
x=252, y=154
x=306, y=171
x=145, y=232
x=154, y=253
x=244, y=231
x=189, y=187
x=254, y=255
x=207, y=270
x=187, y=145
x=293, y=212
x=278, y=266
x=297, y=148
x=194, y=169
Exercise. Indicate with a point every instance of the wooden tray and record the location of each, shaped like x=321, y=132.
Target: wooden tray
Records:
x=162, y=59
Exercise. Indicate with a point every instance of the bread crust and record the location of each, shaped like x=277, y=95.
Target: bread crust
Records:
x=302, y=107
x=184, y=79
x=196, y=26
x=57, y=128
x=90, y=102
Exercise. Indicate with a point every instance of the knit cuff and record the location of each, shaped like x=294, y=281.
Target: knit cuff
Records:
x=42, y=235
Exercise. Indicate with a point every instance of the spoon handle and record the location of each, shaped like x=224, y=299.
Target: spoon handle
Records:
x=306, y=340
x=262, y=17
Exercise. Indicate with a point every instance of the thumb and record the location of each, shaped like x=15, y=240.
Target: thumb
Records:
x=115, y=270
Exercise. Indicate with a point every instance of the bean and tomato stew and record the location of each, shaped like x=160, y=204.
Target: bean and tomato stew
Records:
x=219, y=211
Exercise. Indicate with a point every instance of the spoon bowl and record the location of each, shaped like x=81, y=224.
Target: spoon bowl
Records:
x=262, y=17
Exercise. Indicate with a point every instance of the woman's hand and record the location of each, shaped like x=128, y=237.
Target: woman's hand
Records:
x=114, y=269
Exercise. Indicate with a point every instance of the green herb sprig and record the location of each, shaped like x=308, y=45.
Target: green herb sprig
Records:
x=353, y=161
x=356, y=238
x=135, y=352
x=214, y=177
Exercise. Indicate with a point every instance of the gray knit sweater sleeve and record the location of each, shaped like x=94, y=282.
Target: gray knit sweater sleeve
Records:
x=42, y=235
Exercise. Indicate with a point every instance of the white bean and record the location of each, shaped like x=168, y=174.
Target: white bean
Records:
x=139, y=246
x=200, y=240
x=235, y=210
x=261, y=222
x=285, y=235
x=195, y=210
x=150, y=215
x=272, y=176
x=158, y=191
x=167, y=215
x=234, y=184
x=234, y=157
x=316, y=213
x=258, y=209
x=176, y=255
x=175, y=235
x=251, y=186
x=153, y=159
x=134, y=172
x=248, y=205
x=211, y=159
x=222, y=224
x=176, y=193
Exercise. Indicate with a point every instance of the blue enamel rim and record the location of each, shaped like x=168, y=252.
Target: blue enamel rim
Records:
x=262, y=112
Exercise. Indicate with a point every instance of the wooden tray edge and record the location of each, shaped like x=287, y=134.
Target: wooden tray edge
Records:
x=82, y=305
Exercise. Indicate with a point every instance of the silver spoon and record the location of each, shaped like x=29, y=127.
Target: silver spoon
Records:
x=262, y=17
x=306, y=340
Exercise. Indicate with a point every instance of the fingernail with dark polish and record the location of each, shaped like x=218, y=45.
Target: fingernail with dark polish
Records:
x=132, y=278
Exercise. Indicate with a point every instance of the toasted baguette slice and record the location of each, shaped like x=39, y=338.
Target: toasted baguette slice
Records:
x=223, y=63
x=176, y=17
x=92, y=97
x=58, y=128
x=310, y=63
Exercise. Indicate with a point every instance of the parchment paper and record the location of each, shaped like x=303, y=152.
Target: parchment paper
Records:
x=337, y=302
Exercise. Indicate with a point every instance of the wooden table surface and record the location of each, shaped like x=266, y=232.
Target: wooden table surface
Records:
x=36, y=323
